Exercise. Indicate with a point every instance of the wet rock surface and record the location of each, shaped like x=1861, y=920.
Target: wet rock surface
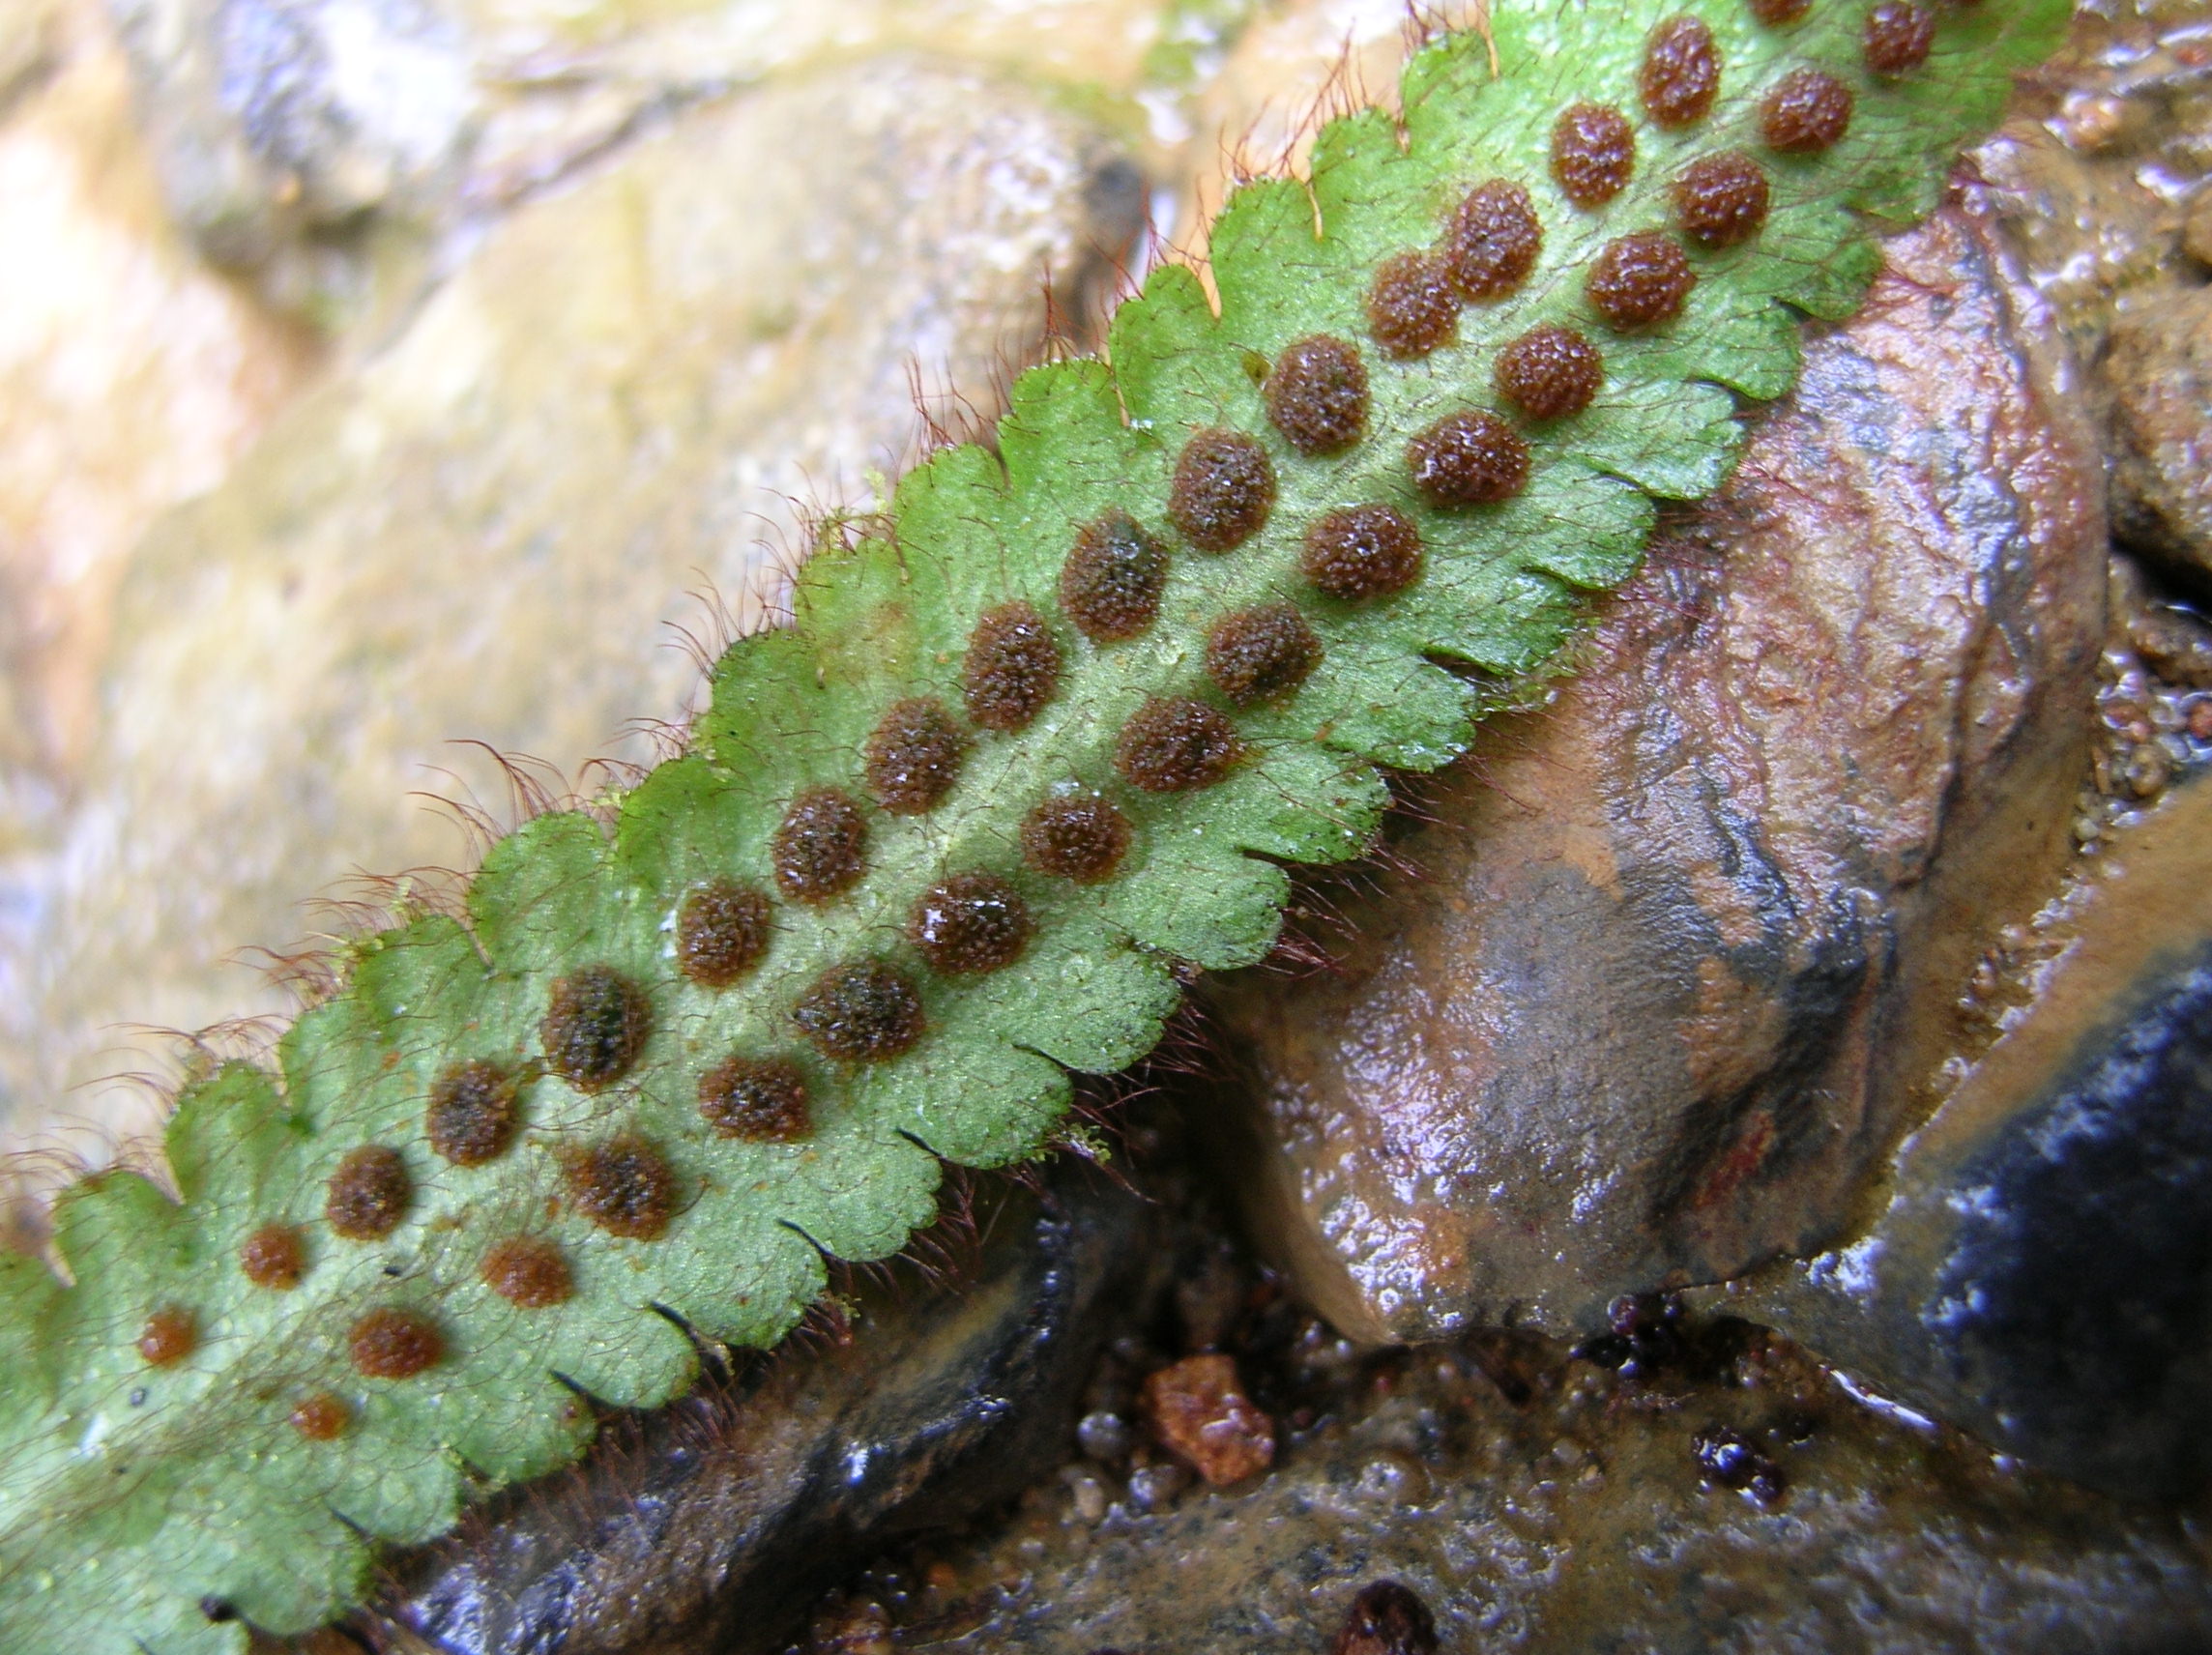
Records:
x=1691, y=1484
x=2160, y=369
x=2097, y=171
x=726, y=1513
x=2154, y=708
x=2042, y=1269
x=1663, y=976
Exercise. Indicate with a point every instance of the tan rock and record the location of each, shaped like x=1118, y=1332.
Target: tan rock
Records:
x=487, y=532
x=339, y=153
x=802, y=414
x=2197, y=227
x=1682, y=947
x=2159, y=374
x=130, y=377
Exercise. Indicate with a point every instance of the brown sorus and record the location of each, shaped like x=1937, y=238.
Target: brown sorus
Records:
x=722, y=930
x=1316, y=395
x=1774, y=14
x=528, y=1271
x=1681, y=73
x=821, y=846
x=169, y=1336
x=970, y=923
x=1411, y=308
x=1468, y=458
x=1493, y=241
x=864, y=1012
x=914, y=755
x=624, y=1186
x=1807, y=112
x=1223, y=488
x=274, y=1257
x=1359, y=552
x=1012, y=668
x=597, y=1023
x=388, y=1344
x=1082, y=839
x=472, y=1114
x=1639, y=281
x=1550, y=372
x=321, y=1417
x=1173, y=744
x=1721, y=200
x=368, y=1194
x=1898, y=36
x=1260, y=655
x=1593, y=153
x=1110, y=585
x=761, y=1100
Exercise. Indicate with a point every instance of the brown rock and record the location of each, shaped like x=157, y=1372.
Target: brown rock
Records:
x=2090, y=236
x=2171, y=642
x=2197, y=227
x=1660, y=991
x=2088, y=173
x=1203, y=1418
x=2160, y=373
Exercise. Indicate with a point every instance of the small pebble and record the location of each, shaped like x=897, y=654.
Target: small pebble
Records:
x=1647, y=1335
x=1154, y=1488
x=862, y=1628
x=1728, y=1460
x=1105, y=1436
x=1201, y=1414
x=1087, y=1494
x=2148, y=769
x=2196, y=228
x=1392, y=1478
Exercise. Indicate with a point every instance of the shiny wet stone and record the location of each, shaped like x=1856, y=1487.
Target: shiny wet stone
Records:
x=2041, y=1270
x=1652, y=987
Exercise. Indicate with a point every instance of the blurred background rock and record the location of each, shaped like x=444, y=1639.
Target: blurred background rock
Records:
x=503, y=352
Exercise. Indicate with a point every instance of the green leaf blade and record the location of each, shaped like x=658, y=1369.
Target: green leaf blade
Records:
x=131, y=1488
